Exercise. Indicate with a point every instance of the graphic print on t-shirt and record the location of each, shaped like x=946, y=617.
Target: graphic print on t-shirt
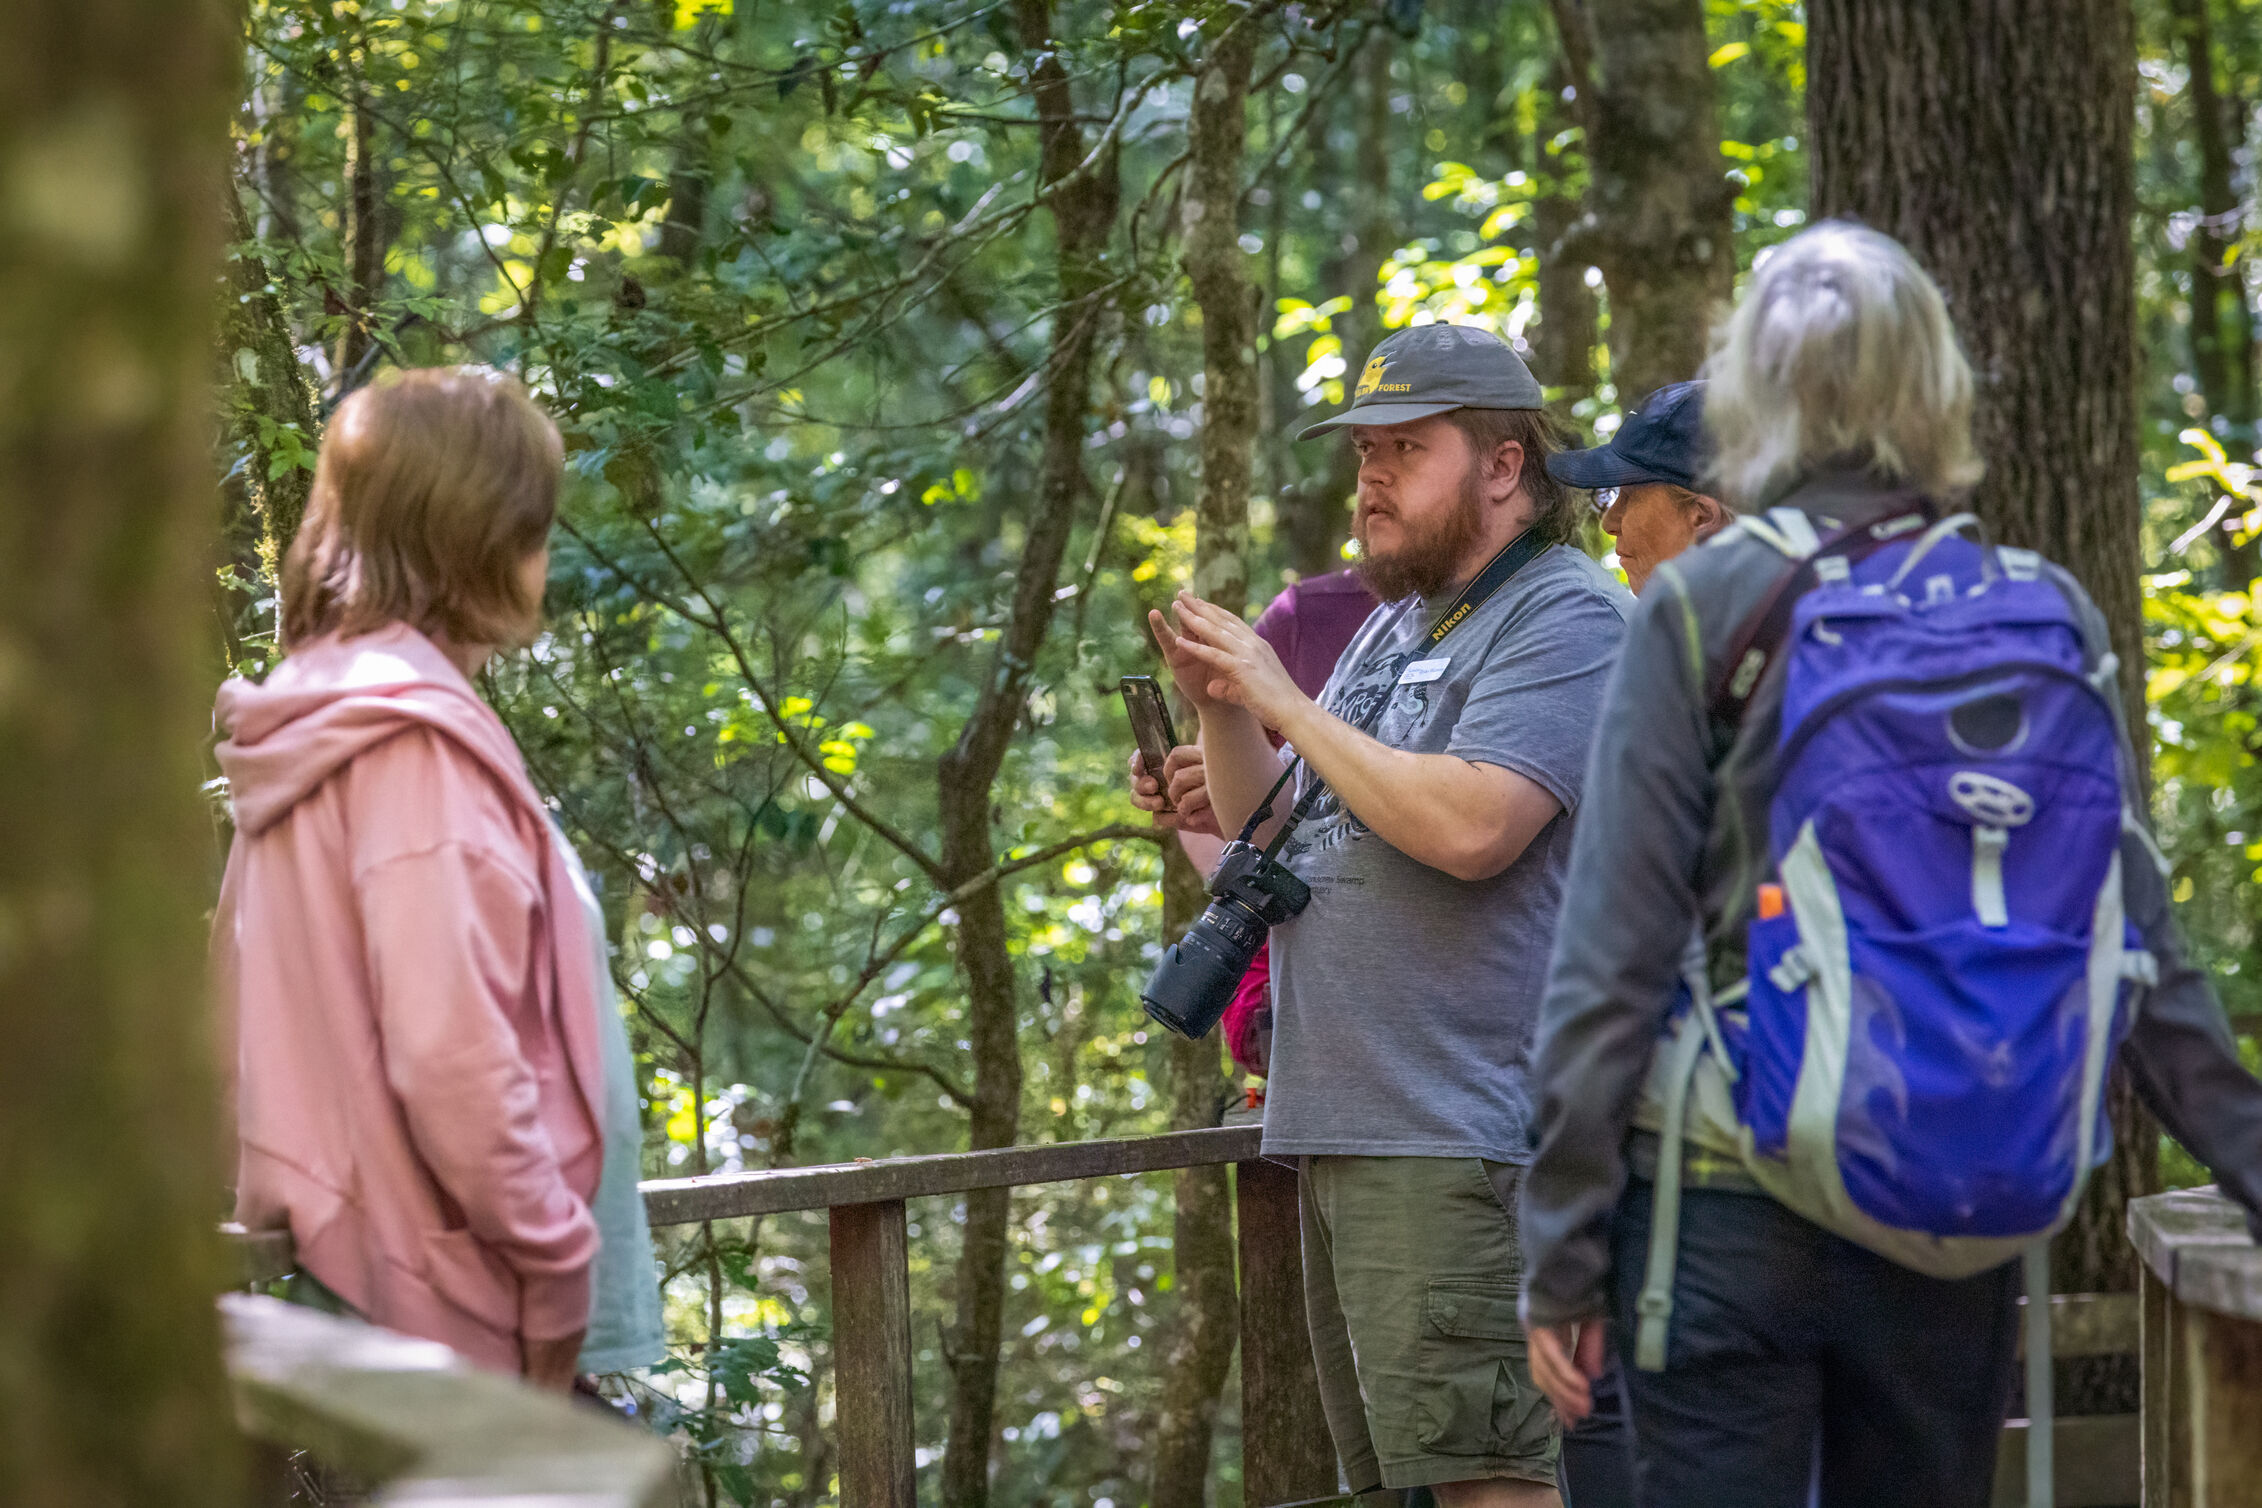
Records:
x=1405, y=998
x=1376, y=702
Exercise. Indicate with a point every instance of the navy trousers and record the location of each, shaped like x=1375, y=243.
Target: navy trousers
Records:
x=1801, y=1368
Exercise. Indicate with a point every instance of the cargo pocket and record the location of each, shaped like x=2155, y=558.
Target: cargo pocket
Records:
x=1476, y=1395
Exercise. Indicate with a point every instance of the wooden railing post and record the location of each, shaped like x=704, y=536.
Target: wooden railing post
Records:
x=1286, y=1454
x=872, y=1355
x=2167, y=1417
x=2202, y=1350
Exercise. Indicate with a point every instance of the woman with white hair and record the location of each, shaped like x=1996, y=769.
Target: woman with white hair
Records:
x=1772, y=1362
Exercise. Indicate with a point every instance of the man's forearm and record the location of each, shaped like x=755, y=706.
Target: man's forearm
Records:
x=1438, y=809
x=1240, y=764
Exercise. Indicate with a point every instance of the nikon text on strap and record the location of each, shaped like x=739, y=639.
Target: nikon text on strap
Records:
x=1517, y=554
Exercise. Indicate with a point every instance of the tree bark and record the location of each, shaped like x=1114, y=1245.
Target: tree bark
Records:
x=2222, y=322
x=362, y=232
x=1083, y=214
x=266, y=380
x=1569, y=313
x=1657, y=219
x=2007, y=168
x=1321, y=519
x=113, y=143
x=1203, y=1323
x=684, y=230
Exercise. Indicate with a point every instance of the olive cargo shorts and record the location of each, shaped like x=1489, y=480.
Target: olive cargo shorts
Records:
x=1411, y=1274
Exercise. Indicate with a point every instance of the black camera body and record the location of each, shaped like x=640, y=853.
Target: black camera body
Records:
x=1252, y=893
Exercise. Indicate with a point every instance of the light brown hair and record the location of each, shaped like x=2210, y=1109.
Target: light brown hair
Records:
x=432, y=489
x=1557, y=512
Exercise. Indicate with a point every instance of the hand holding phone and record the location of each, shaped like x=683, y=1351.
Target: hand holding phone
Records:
x=1150, y=726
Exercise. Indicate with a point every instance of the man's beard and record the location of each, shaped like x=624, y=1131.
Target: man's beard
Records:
x=1428, y=562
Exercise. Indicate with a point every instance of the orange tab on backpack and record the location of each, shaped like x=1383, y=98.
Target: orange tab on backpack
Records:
x=1770, y=902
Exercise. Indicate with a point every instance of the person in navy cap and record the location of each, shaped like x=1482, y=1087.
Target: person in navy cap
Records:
x=1648, y=481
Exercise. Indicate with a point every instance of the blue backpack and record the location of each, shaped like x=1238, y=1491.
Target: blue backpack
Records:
x=1940, y=973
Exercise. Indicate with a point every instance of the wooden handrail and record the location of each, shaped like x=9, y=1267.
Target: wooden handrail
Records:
x=265, y=1255
x=1286, y=1454
x=1286, y=1457
x=2196, y=1243
x=262, y=1256
x=771, y=1191
x=2202, y=1349
x=414, y=1416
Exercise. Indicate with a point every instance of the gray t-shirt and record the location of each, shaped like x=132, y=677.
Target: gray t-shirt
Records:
x=1404, y=999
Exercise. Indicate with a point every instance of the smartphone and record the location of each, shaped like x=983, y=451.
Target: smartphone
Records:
x=1150, y=724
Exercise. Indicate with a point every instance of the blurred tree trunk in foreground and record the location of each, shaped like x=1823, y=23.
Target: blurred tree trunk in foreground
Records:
x=2007, y=167
x=1657, y=218
x=113, y=131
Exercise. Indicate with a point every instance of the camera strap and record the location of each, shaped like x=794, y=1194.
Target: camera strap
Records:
x=1513, y=557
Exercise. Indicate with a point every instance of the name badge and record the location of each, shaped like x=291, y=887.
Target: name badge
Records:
x=1423, y=670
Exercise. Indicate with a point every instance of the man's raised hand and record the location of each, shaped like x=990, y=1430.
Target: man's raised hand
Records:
x=1218, y=658
x=1186, y=669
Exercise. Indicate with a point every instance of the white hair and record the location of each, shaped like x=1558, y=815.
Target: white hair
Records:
x=1840, y=353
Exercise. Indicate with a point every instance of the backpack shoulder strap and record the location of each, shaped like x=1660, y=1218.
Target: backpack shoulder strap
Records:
x=1788, y=530
x=1759, y=638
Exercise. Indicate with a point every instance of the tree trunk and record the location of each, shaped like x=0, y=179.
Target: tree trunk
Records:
x=113, y=133
x=2222, y=322
x=1083, y=214
x=1321, y=519
x=362, y=232
x=1657, y=218
x=1569, y=316
x=1203, y=1322
x=685, y=228
x=2007, y=168
x=267, y=381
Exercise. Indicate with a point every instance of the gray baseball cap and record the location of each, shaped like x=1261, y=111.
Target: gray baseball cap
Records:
x=1434, y=369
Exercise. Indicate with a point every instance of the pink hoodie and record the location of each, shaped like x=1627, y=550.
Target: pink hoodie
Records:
x=415, y=1026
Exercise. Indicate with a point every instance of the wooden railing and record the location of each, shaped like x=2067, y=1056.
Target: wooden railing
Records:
x=412, y=1415
x=1285, y=1451
x=2202, y=1339
x=1286, y=1454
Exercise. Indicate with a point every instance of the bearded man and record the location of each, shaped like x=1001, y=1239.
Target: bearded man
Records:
x=1443, y=760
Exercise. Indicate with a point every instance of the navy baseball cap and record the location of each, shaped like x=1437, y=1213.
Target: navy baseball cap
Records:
x=1664, y=442
x=1434, y=369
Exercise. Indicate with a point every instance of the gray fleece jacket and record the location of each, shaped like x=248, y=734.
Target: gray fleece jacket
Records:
x=1674, y=833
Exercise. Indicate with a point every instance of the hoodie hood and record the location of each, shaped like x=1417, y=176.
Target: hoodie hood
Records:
x=335, y=698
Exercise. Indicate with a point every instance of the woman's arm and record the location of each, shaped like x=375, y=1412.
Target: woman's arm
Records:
x=1629, y=909
x=449, y=914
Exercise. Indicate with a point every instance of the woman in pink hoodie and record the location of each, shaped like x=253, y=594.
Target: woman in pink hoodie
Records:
x=416, y=1055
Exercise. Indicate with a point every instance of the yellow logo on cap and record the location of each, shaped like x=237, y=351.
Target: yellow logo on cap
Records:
x=1369, y=379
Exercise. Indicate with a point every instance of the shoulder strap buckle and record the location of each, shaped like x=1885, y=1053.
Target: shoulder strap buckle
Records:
x=1760, y=637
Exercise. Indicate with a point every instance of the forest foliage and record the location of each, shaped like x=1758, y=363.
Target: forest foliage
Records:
x=792, y=279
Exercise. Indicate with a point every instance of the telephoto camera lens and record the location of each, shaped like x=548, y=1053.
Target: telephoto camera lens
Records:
x=1195, y=981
